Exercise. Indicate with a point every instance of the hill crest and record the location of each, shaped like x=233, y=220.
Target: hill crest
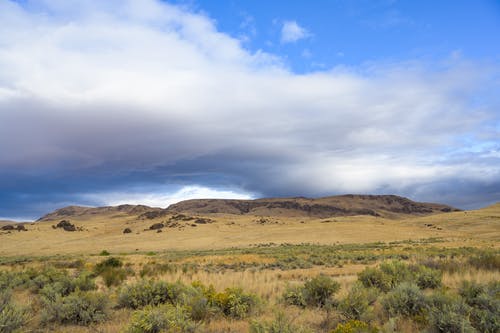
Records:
x=391, y=206
x=341, y=205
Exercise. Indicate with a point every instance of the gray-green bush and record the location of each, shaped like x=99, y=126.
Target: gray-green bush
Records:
x=406, y=300
x=484, y=301
x=390, y=274
x=236, y=303
x=80, y=308
x=12, y=317
x=148, y=292
x=355, y=305
x=450, y=318
x=154, y=319
x=317, y=291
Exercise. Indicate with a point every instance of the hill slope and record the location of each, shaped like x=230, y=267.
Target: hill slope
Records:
x=79, y=211
x=342, y=205
x=96, y=232
x=390, y=206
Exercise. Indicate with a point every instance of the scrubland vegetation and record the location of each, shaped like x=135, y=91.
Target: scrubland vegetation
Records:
x=403, y=286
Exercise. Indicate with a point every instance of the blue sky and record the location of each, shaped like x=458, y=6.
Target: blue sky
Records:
x=360, y=31
x=152, y=102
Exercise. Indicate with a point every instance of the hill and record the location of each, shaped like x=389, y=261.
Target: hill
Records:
x=390, y=206
x=342, y=205
x=96, y=229
x=80, y=211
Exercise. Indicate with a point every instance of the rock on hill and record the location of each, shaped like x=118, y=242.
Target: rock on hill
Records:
x=342, y=205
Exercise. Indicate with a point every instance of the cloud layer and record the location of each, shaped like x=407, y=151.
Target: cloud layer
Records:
x=97, y=97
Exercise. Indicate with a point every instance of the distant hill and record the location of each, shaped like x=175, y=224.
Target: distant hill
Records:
x=390, y=206
x=342, y=205
x=5, y=222
x=79, y=211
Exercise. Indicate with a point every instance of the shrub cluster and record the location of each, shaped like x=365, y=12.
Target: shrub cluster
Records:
x=157, y=301
x=112, y=272
x=79, y=307
x=484, y=301
x=154, y=319
x=390, y=274
x=69, y=299
x=356, y=304
x=150, y=292
x=406, y=300
x=12, y=317
x=398, y=288
x=316, y=292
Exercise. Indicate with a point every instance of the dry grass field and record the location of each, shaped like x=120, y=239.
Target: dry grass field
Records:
x=264, y=256
x=106, y=232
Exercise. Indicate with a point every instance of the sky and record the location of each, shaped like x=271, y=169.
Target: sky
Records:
x=153, y=102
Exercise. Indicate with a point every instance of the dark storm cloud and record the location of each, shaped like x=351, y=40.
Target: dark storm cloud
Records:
x=133, y=100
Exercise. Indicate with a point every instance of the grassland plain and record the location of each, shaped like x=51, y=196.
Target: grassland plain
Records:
x=438, y=273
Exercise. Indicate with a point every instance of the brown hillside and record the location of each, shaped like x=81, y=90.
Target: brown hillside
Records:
x=390, y=206
x=79, y=211
x=343, y=205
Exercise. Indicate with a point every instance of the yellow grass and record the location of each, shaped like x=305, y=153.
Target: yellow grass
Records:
x=481, y=227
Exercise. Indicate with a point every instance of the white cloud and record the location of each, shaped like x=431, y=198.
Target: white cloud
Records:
x=163, y=200
x=134, y=86
x=291, y=32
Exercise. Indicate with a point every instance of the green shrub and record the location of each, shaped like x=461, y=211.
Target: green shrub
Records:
x=485, y=303
x=162, y=318
x=406, y=300
x=485, y=321
x=427, y=277
x=470, y=291
x=357, y=302
x=5, y=279
x=12, y=317
x=396, y=271
x=111, y=262
x=60, y=284
x=485, y=297
x=84, y=281
x=374, y=278
x=280, y=324
x=79, y=308
x=150, y=293
x=113, y=276
x=104, y=253
x=295, y=296
x=111, y=271
x=51, y=276
x=390, y=274
x=235, y=303
x=450, y=318
x=319, y=290
x=201, y=301
x=354, y=326
x=199, y=308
